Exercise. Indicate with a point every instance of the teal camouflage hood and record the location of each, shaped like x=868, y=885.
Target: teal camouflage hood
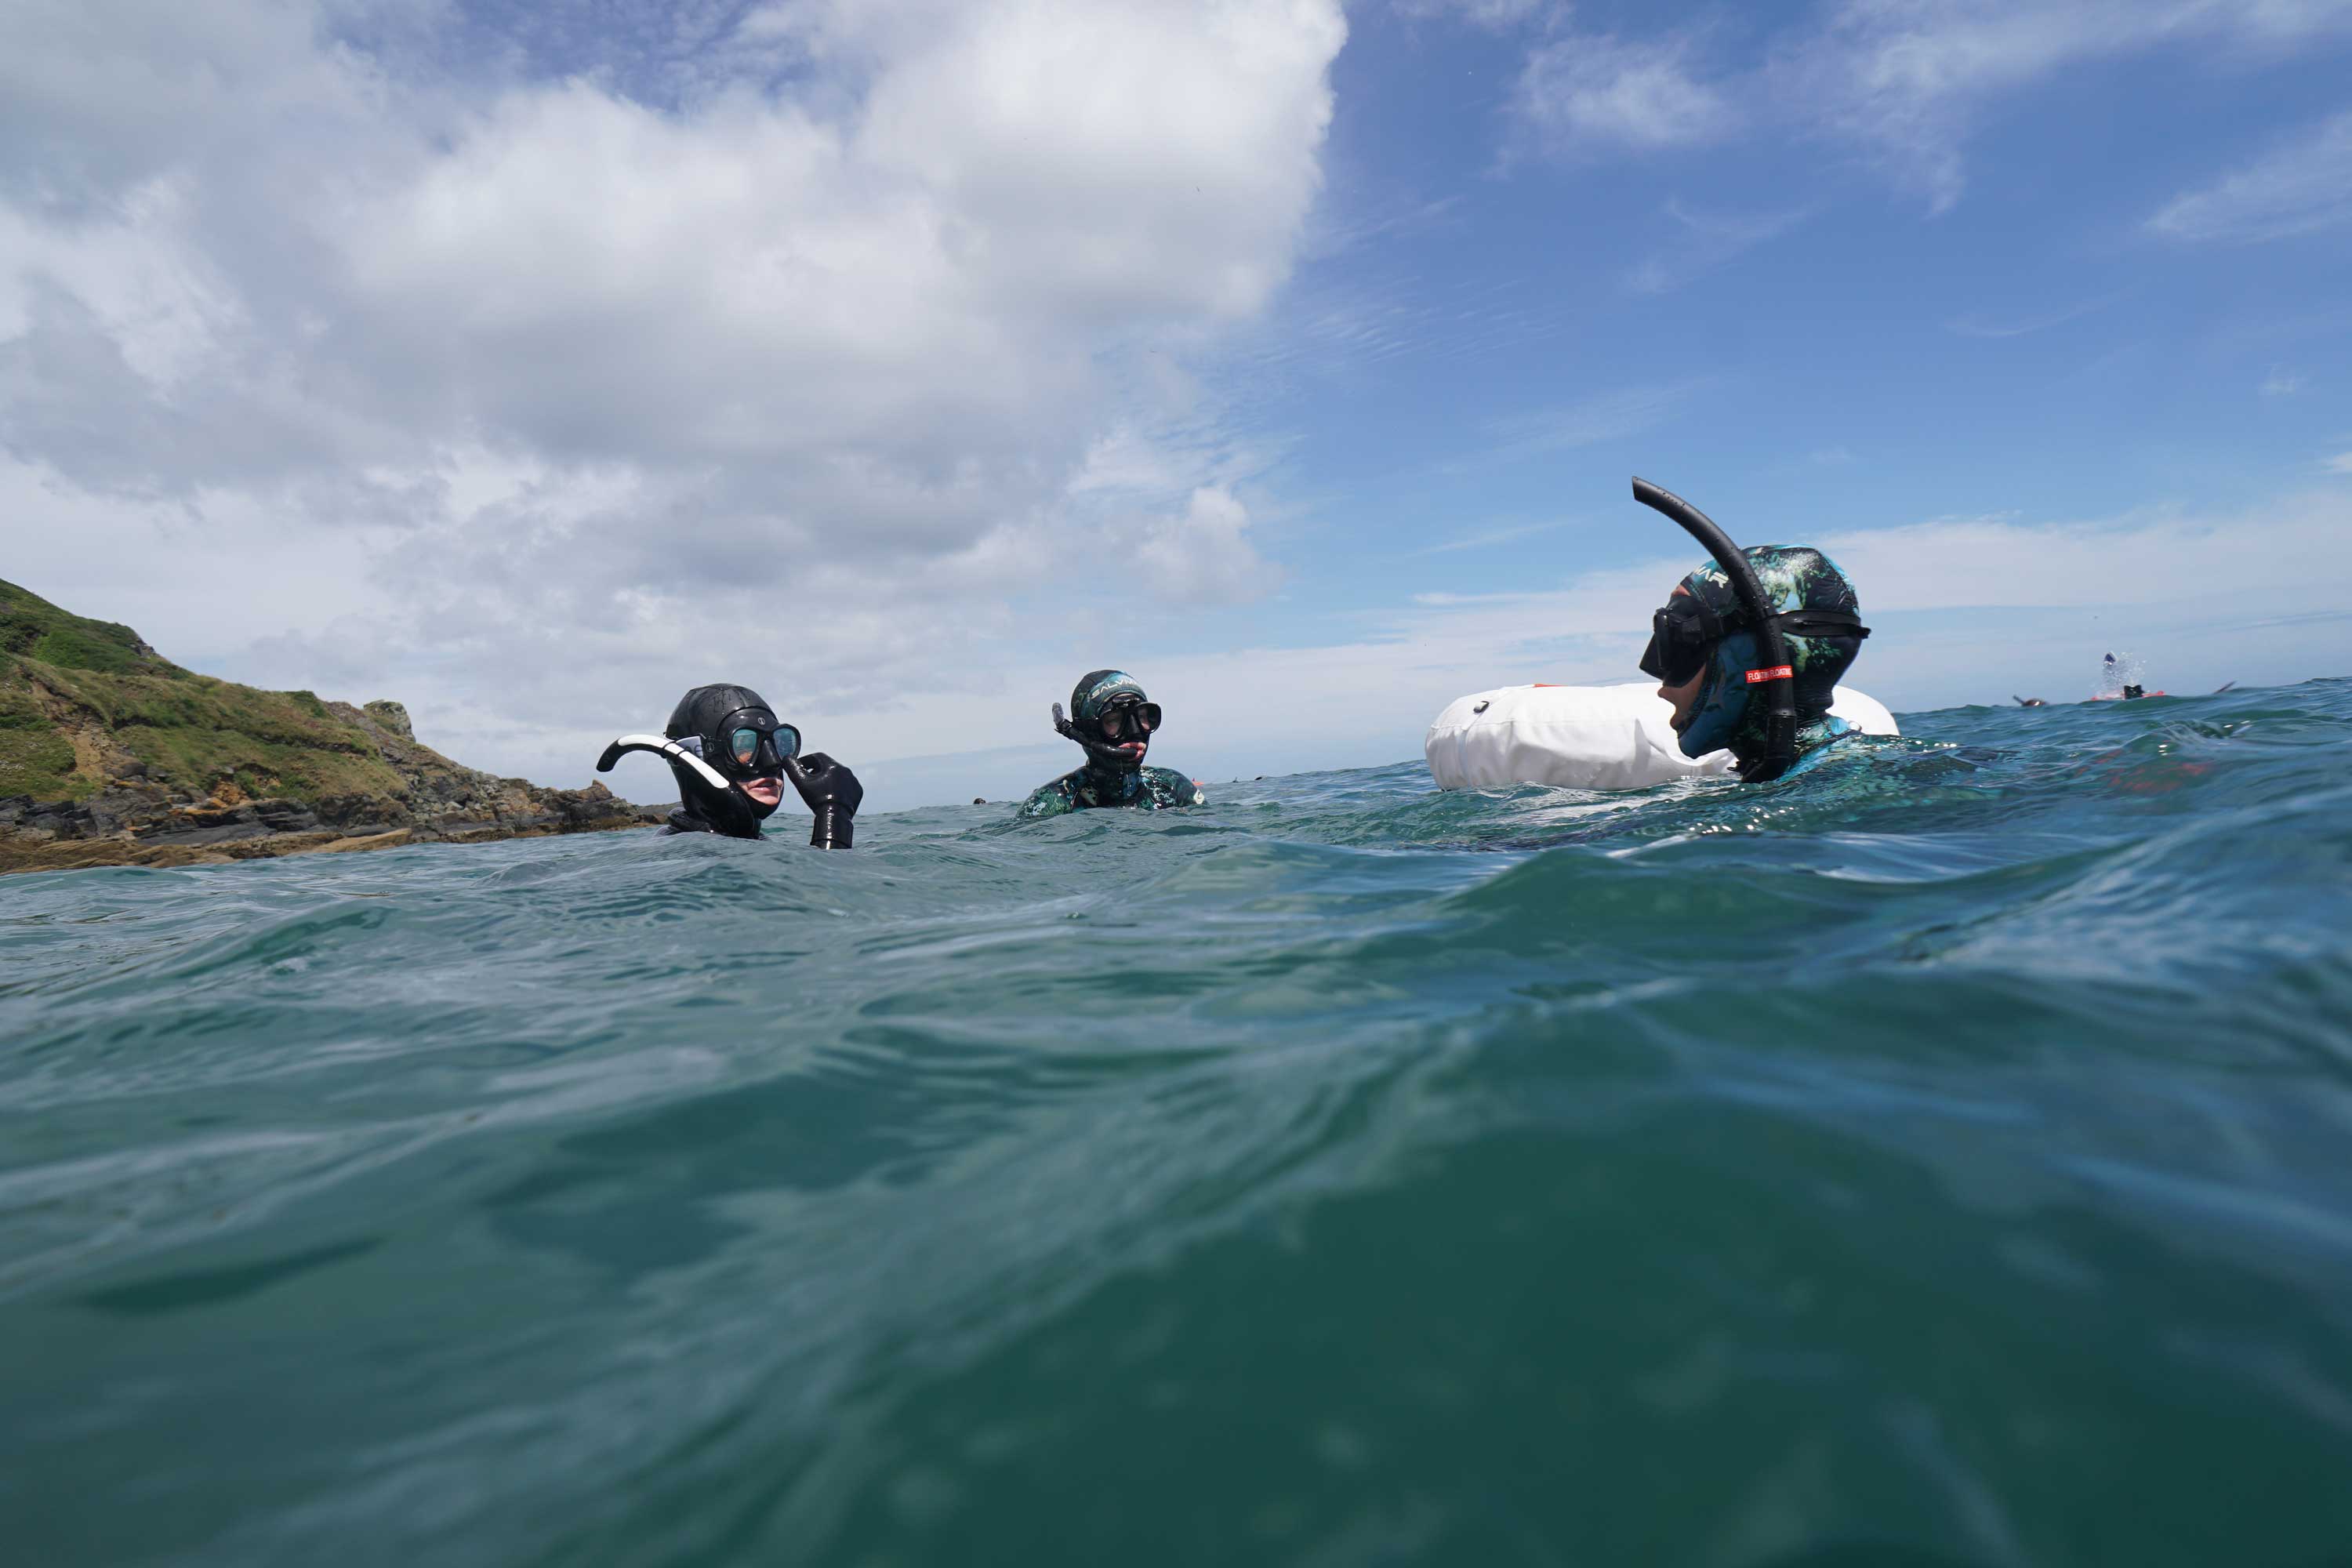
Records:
x=1794, y=577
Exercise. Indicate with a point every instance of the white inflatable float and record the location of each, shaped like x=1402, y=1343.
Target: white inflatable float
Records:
x=1585, y=737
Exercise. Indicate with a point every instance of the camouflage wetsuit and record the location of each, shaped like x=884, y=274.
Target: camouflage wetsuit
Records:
x=1109, y=777
x=1146, y=789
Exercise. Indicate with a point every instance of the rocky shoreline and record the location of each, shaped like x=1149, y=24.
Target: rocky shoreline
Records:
x=111, y=756
x=134, y=827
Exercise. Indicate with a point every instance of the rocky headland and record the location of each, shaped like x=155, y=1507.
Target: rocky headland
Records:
x=112, y=755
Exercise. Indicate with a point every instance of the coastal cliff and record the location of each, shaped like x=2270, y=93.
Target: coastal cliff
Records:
x=110, y=754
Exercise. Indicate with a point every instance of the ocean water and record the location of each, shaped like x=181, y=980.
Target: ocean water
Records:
x=1943, y=1157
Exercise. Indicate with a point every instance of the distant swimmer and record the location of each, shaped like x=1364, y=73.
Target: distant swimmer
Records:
x=1114, y=721
x=1750, y=647
x=731, y=755
x=2119, y=681
x=2028, y=701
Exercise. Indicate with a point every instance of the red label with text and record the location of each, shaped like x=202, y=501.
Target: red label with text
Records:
x=1777, y=672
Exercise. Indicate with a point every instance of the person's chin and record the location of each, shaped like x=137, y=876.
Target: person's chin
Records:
x=766, y=791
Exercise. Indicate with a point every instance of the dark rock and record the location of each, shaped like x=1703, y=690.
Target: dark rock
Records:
x=190, y=838
x=284, y=815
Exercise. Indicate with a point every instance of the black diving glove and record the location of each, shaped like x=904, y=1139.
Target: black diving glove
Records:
x=832, y=792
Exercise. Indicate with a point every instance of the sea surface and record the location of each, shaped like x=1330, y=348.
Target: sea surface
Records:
x=1942, y=1157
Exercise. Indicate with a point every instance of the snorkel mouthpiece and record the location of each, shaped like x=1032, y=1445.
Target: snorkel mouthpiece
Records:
x=1774, y=671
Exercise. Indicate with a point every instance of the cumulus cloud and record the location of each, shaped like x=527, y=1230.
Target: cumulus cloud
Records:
x=2303, y=187
x=1203, y=556
x=638, y=333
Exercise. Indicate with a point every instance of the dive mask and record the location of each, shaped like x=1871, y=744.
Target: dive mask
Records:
x=757, y=741
x=1684, y=634
x=1681, y=636
x=1129, y=719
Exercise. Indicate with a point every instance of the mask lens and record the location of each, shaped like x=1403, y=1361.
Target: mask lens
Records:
x=744, y=745
x=788, y=741
x=1114, y=724
x=1146, y=716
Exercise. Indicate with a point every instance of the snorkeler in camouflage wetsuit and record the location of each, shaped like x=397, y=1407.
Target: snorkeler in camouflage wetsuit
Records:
x=1705, y=655
x=1112, y=718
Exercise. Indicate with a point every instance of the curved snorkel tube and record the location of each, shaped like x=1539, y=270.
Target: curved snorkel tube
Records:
x=1776, y=675
x=666, y=748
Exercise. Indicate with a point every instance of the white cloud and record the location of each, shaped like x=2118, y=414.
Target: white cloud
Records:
x=1707, y=240
x=523, y=390
x=2283, y=382
x=1203, y=556
x=2340, y=464
x=1598, y=92
x=2303, y=187
x=1590, y=421
x=1485, y=540
x=1906, y=79
x=1495, y=16
x=1999, y=327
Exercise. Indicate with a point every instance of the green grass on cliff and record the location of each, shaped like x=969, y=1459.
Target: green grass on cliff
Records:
x=32, y=627
x=35, y=758
x=63, y=678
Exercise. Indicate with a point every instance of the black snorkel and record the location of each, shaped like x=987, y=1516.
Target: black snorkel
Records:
x=1776, y=674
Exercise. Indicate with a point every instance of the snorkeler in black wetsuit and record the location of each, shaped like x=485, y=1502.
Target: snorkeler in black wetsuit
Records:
x=731, y=755
x=1112, y=718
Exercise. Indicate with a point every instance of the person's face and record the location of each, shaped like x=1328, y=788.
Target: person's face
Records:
x=752, y=736
x=1685, y=697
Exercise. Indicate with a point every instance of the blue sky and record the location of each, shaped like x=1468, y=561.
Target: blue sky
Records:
x=906, y=359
